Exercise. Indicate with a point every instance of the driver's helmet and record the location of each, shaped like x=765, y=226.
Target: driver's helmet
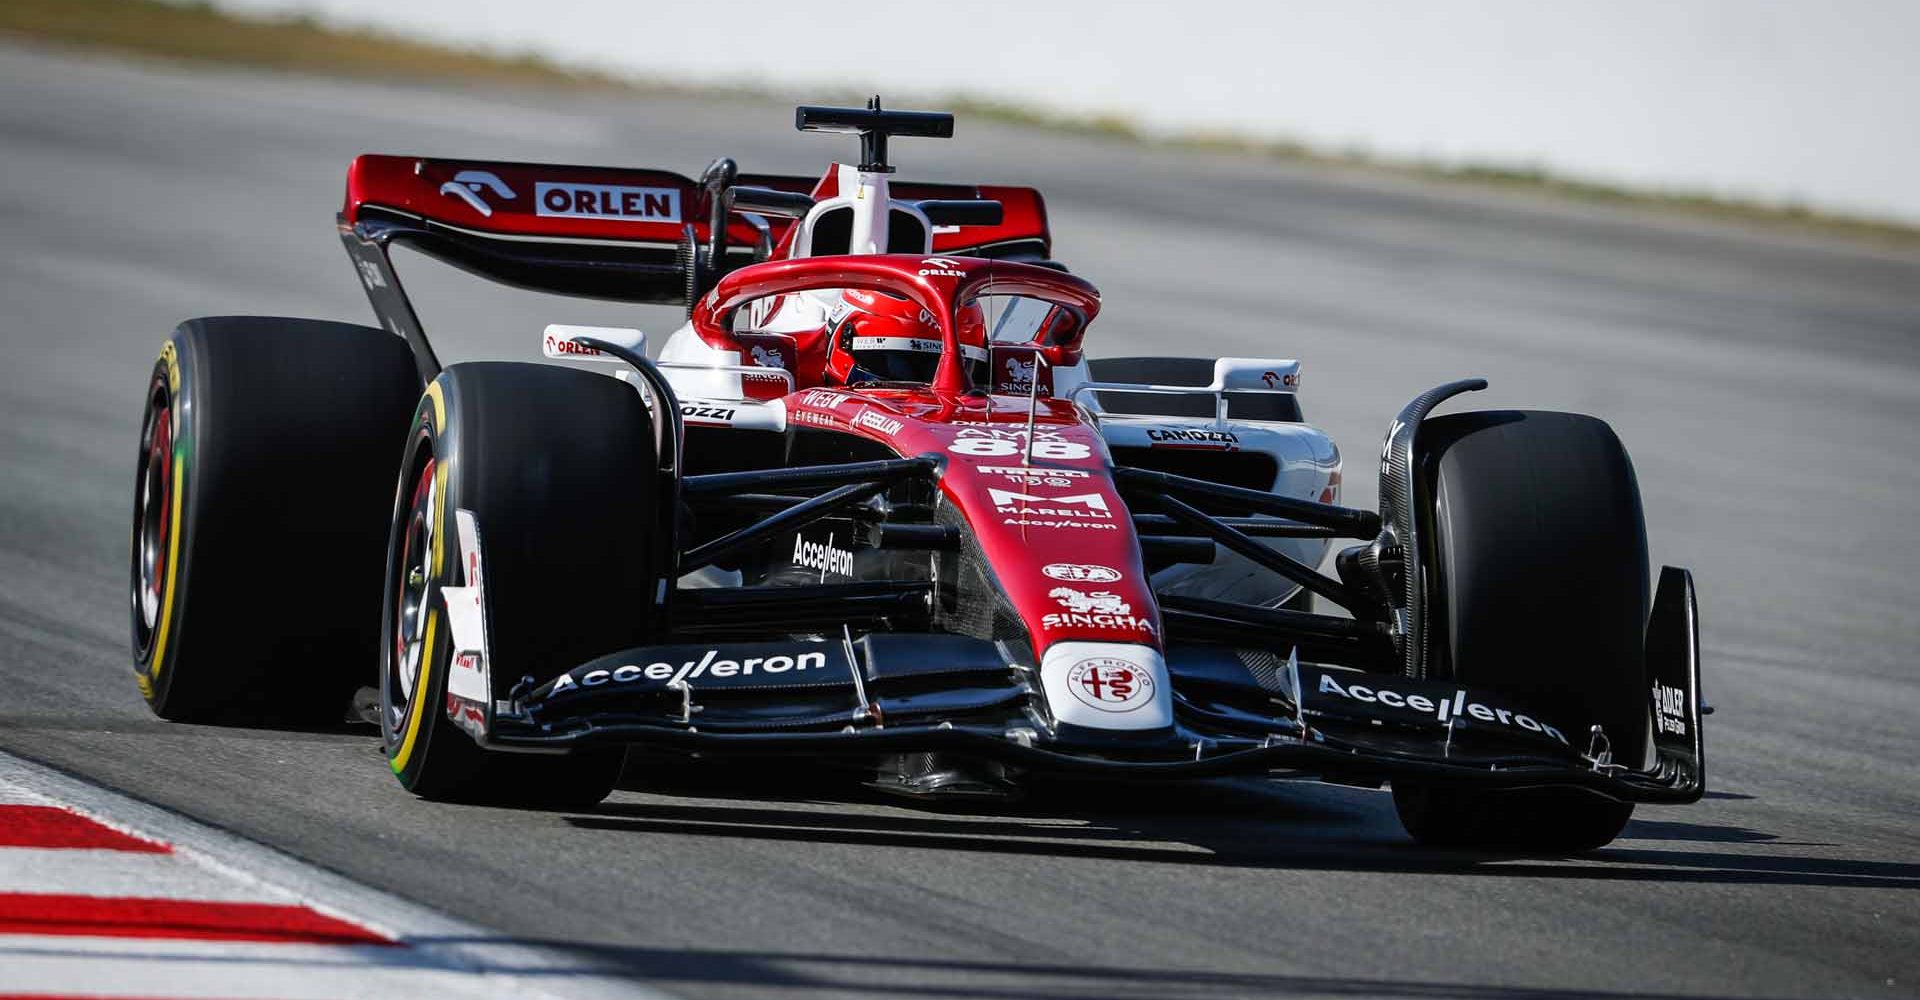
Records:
x=882, y=337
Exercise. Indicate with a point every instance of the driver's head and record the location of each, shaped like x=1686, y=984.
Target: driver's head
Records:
x=880, y=337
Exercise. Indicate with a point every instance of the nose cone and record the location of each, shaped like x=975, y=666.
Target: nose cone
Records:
x=1107, y=685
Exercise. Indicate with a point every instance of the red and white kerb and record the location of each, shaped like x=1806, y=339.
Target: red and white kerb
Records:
x=91, y=907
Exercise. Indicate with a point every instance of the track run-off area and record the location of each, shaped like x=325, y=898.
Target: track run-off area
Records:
x=1767, y=385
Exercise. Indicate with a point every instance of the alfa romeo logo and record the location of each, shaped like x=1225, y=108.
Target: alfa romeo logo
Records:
x=1109, y=684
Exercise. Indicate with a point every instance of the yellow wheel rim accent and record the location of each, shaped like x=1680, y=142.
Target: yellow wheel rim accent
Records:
x=170, y=356
x=173, y=574
x=416, y=711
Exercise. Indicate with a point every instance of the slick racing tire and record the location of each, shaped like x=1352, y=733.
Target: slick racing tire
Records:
x=1539, y=586
x=556, y=469
x=261, y=497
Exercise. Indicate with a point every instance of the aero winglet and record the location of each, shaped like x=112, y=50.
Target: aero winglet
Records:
x=1673, y=675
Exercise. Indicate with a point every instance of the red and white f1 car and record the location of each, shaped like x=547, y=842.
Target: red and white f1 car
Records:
x=874, y=502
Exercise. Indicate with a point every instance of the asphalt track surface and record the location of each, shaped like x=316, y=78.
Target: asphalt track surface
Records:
x=1767, y=386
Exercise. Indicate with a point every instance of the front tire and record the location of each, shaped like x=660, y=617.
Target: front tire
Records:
x=557, y=467
x=1540, y=582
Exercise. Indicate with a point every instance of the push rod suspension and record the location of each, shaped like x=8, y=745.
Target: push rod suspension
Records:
x=1258, y=527
x=1349, y=522
x=807, y=476
x=785, y=520
x=1238, y=541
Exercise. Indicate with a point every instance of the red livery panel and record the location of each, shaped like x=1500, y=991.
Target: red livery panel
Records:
x=1046, y=516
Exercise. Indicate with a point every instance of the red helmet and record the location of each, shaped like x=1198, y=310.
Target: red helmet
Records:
x=881, y=337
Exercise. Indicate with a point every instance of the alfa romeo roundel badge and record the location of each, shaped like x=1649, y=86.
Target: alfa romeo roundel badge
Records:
x=1109, y=684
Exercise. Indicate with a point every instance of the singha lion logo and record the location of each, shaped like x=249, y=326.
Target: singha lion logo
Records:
x=767, y=358
x=1020, y=378
x=1100, y=602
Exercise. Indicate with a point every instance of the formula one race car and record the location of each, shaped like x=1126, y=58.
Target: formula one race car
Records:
x=874, y=503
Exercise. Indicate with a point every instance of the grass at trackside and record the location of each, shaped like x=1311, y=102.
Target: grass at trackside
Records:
x=198, y=32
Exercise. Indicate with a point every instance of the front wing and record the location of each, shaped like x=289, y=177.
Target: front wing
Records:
x=1237, y=711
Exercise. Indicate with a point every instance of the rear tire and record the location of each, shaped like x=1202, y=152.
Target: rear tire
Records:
x=261, y=499
x=1539, y=577
x=557, y=467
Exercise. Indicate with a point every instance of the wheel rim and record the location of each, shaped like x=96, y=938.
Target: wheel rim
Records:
x=153, y=515
x=410, y=601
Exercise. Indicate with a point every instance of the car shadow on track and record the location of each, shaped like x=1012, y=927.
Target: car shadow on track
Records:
x=752, y=974
x=1233, y=823
x=1652, y=829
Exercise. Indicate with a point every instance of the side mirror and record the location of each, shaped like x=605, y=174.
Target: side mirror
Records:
x=558, y=342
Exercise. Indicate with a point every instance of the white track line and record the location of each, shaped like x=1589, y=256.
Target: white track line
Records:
x=111, y=873
x=442, y=957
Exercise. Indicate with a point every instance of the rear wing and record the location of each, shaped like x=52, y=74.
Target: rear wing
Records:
x=629, y=235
